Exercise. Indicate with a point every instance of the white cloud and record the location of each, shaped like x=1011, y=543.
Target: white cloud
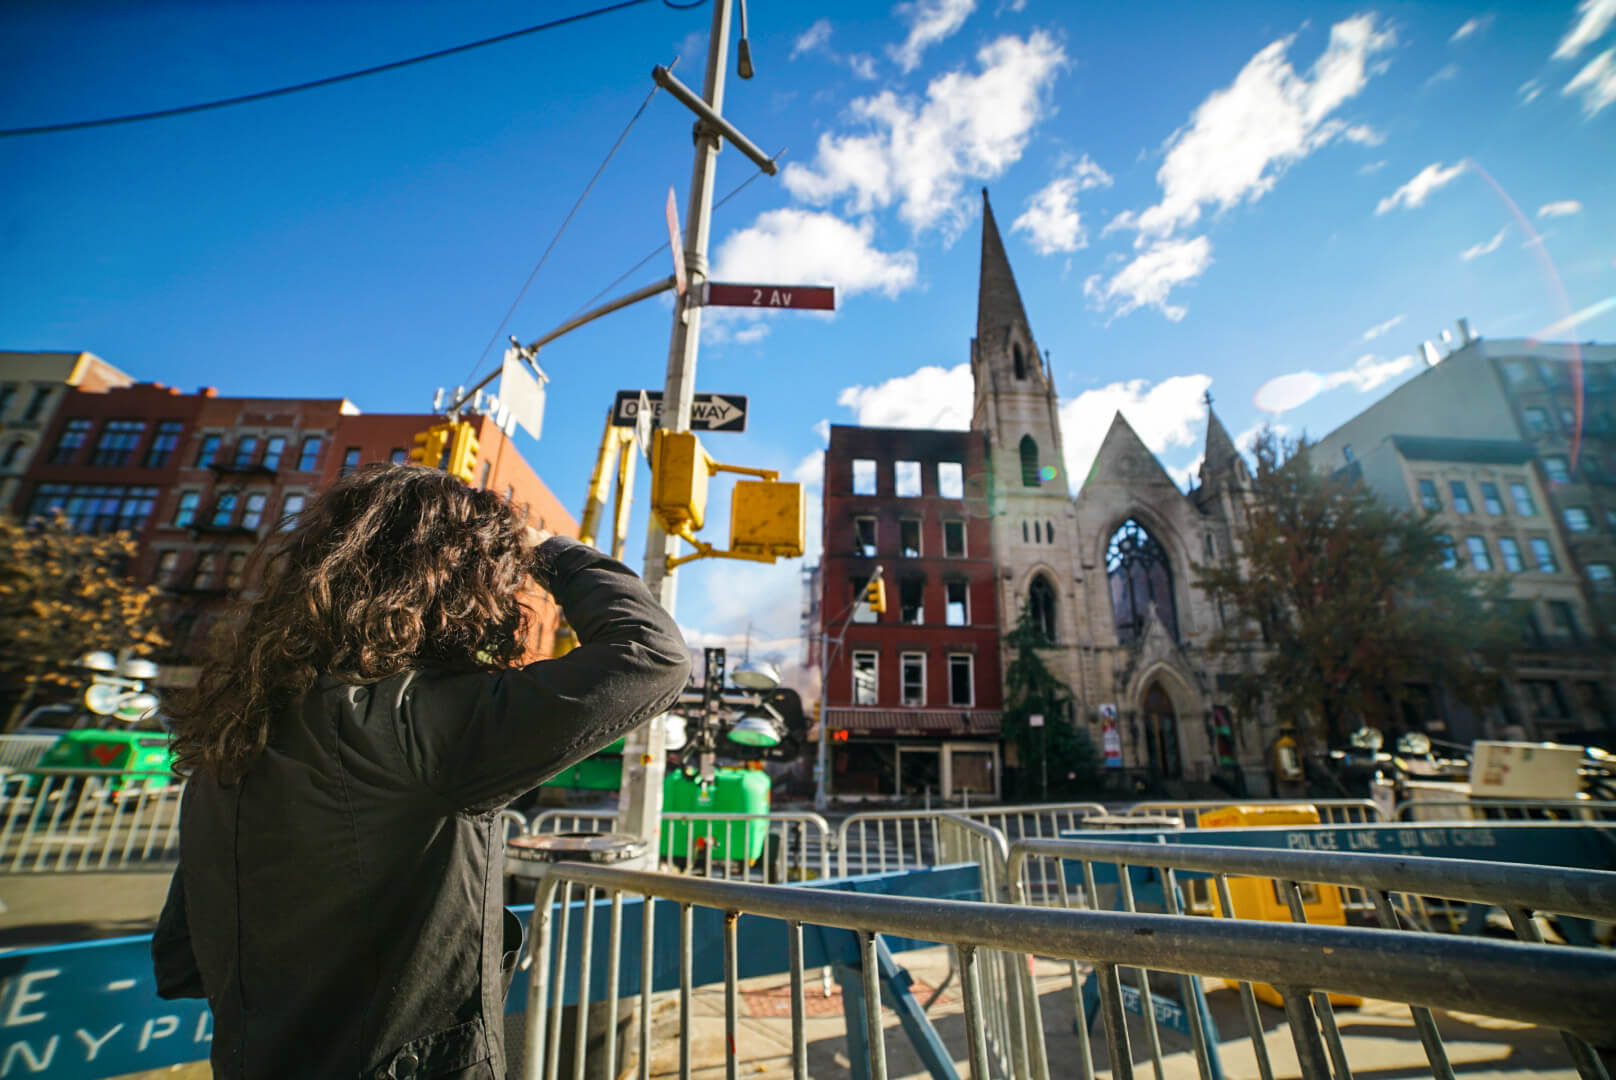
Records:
x=1186, y=475
x=811, y=469
x=932, y=397
x=1363, y=135
x=918, y=154
x=1476, y=251
x=1246, y=441
x=862, y=65
x=1150, y=278
x=1172, y=413
x=1241, y=138
x=1285, y=392
x=822, y=429
x=1051, y=219
x=1371, y=167
x=1593, y=19
x=1559, y=209
x=1415, y=192
x=1596, y=82
x=1529, y=91
x=1381, y=328
x=930, y=21
x=812, y=38
x=1471, y=26
x=1443, y=74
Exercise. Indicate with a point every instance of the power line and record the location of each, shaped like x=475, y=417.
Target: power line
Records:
x=158, y=114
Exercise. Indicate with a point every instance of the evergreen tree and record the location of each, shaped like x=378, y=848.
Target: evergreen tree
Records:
x=1343, y=602
x=1031, y=689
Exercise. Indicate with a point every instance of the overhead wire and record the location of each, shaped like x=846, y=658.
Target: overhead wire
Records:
x=330, y=80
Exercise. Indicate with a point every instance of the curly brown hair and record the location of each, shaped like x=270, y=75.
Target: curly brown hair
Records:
x=395, y=567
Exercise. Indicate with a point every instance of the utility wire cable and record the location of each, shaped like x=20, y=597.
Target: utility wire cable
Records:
x=563, y=227
x=182, y=110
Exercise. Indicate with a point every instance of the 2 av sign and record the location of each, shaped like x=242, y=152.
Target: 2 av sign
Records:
x=708, y=412
x=799, y=297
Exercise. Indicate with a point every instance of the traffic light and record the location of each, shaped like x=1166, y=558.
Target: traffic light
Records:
x=875, y=594
x=430, y=446
x=680, y=469
x=462, y=463
x=767, y=518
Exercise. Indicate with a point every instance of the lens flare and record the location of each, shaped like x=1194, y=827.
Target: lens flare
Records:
x=1047, y=472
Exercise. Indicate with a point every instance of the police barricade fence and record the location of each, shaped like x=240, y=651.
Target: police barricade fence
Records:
x=1429, y=809
x=1521, y=890
x=88, y=820
x=778, y=846
x=19, y=752
x=877, y=841
x=1472, y=975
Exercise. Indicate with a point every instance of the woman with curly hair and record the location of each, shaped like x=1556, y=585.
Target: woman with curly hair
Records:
x=339, y=896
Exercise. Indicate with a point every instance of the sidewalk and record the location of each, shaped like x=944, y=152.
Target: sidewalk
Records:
x=51, y=909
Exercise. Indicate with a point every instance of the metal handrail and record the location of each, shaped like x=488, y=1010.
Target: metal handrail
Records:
x=1587, y=809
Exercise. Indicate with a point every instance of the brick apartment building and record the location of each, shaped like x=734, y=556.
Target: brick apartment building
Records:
x=33, y=386
x=201, y=480
x=912, y=697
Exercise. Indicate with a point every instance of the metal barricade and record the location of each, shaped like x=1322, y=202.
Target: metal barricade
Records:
x=1331, y=811
x=1520, y=889
x=797, y=844
x=875, y=842
x=1505, y=810
x=87, y=819
x=19, y=752
x=554, y=821
x=1569, y=989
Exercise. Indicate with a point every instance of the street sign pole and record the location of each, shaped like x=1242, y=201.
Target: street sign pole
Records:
x=645, y=749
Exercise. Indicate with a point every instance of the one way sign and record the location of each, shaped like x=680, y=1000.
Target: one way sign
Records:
x=708, y=412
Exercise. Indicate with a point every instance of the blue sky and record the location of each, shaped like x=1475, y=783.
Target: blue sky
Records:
x=1234, y=198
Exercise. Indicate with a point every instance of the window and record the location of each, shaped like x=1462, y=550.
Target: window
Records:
x=36, y=404
x=1023, y=532
x=1568, y=419
x=951, y=480
x=74, y=434
x=202, y=573
x=510, y=492
x=1019, y=361
x=1511, y=551
x=233, y=568
x=1545, y=699
x=864, y=678
x=1049, y=532
x=273, y=452
x=961, y=688
x=398, y=456
x=954, y=539
x=163, y=443
x=1603, y=578
x=246, y=448
x=957, y=603
x=864, y=536
x=1037, y=533
x=487, y=468
x=1347, y=454
x=1522, y=495
x=1428, y=496
x=224, y=508
x=350, y=461
x=1565, y=620
x=13, y=452
x=1557, y=469
x=863, y=476
x=912, y=601
x=310, y=457
x=906, y=479
x=7, y=392
x=167, y=562
x=1515, y=372
x=291, y=507
x=1577, y=519
x=909, y=538
x=913, y=667
x=1041, y=606
x=1610, y=518
x=1461, y=497
x=186, y=513
x=1490, y=499
x=117, y=444
x=1479, y=557
x=1030, y=475
x=1531, y=630
x=1450, y=557
x=208, y=451
x=1141, y=581
x=253, y=515
x=95, y=508
x=1543, y=555
x=1537, y=420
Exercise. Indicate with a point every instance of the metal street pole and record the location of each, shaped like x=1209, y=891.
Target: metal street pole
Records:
x=822, y=780
x=645, y=748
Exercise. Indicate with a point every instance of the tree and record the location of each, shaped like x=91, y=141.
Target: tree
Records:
x=63, y=594
x=1032, y=689
x=1343, y=602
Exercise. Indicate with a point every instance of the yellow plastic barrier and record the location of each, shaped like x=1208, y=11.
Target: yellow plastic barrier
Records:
x=1261, y=899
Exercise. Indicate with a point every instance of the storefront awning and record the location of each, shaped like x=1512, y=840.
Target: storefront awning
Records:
x=915, y=721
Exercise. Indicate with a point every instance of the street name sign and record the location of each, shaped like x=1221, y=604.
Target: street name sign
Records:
x=708, y=412
x=799, y=297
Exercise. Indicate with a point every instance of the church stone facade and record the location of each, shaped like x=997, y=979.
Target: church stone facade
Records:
x=1110, y=573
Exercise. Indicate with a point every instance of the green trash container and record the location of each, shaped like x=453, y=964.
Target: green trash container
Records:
x=733, y=791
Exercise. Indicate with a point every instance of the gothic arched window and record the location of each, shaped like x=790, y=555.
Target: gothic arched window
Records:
x=1029, y=462
x=1020, y=362
x=1041, y=606
x=1140, y=579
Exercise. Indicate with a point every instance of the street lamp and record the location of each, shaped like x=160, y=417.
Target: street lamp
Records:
x=756, y=675
x=118, y=687
x=755, y=730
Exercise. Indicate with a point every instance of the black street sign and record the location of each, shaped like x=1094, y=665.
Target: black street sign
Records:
x=708, y=412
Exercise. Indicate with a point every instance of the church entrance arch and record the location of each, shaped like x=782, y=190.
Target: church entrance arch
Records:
x=1161, y=732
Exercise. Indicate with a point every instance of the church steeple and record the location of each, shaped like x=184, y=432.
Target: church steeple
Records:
x=998, y=301
x=1221, y=463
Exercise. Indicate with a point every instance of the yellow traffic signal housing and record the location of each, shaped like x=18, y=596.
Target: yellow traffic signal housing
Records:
x=431, y=445
x=680, y=469
x=875, y=594
x=462, y=463
x=767, y=518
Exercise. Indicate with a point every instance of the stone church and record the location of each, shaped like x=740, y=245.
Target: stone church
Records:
x=1108, y=573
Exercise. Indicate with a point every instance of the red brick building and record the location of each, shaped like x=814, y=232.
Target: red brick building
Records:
x=200, y=480
x=912, y=697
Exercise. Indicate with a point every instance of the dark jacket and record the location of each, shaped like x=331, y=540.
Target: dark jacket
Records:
x=341, y=907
